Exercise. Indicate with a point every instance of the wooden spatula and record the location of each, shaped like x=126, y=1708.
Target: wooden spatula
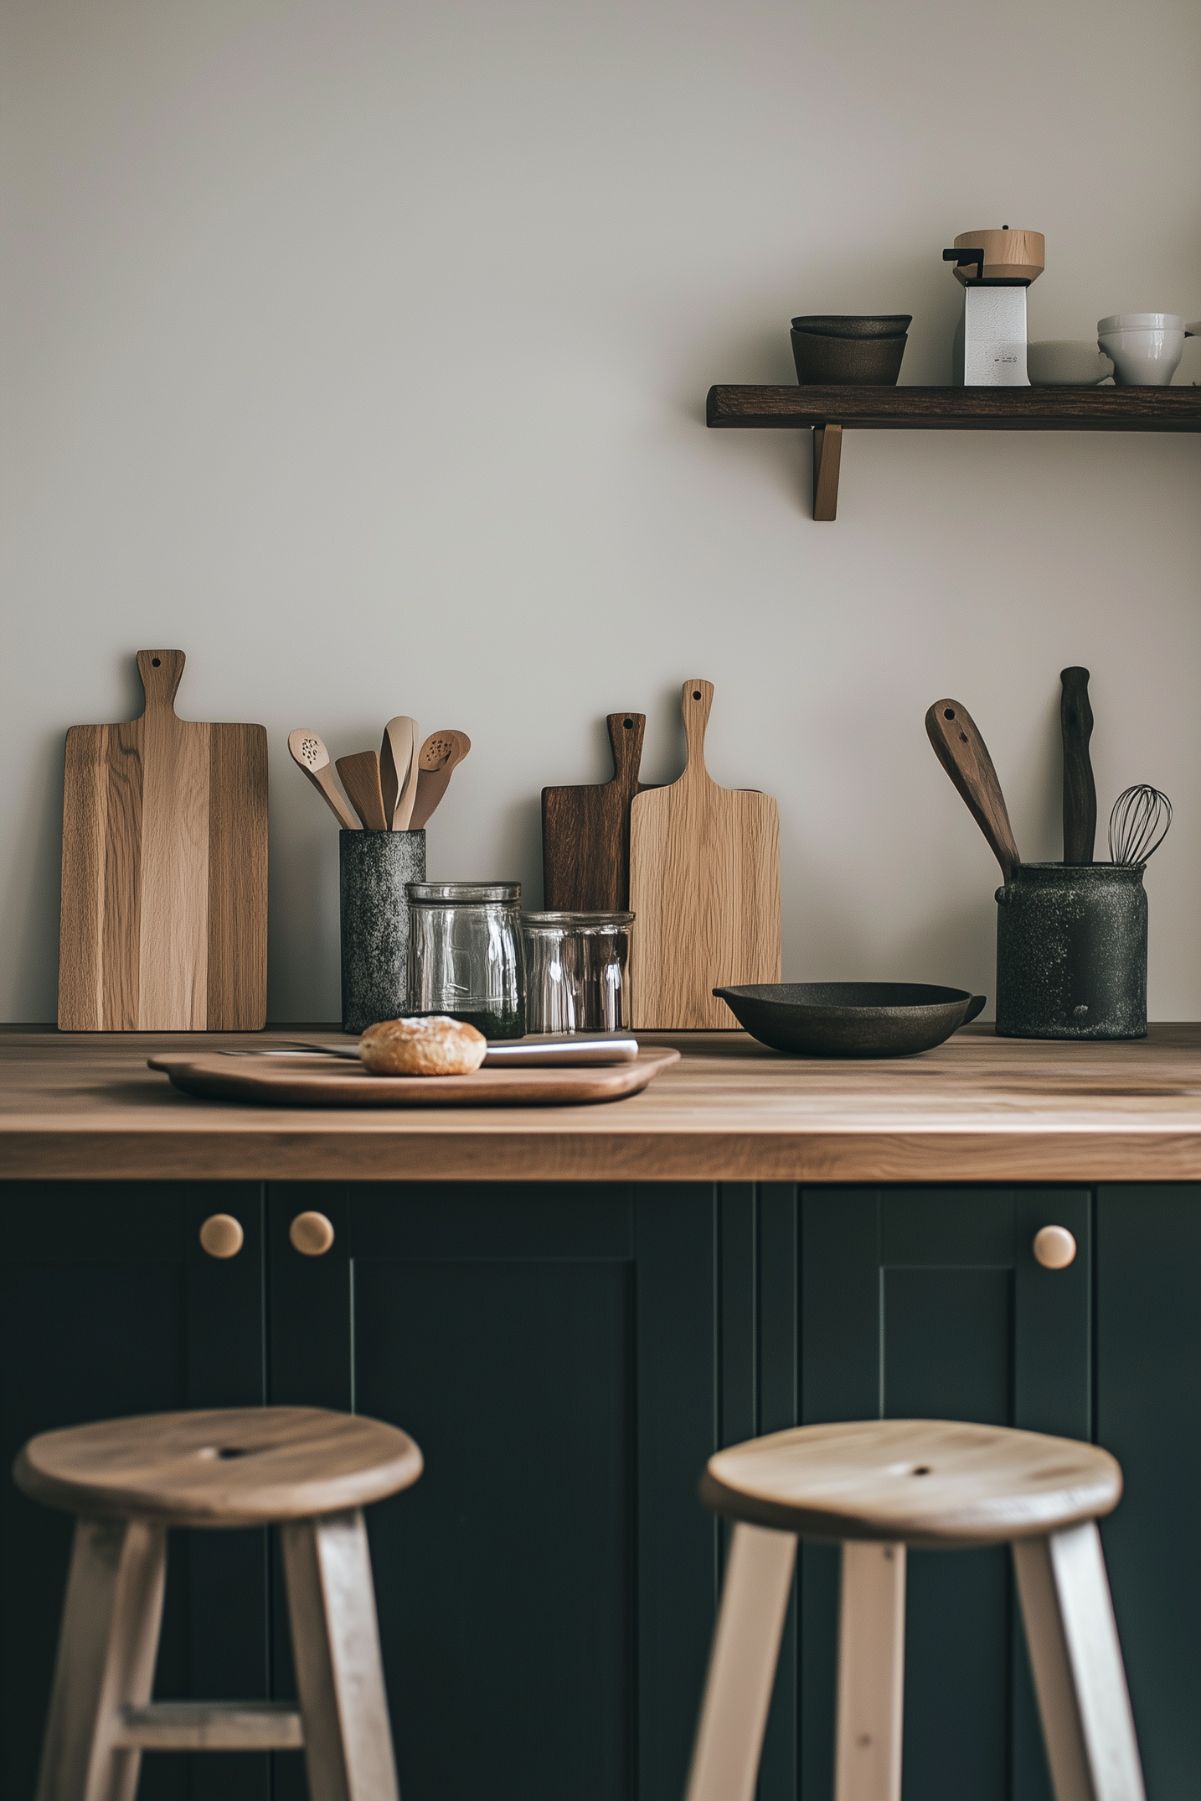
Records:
x=311, y=757
x=1079, y=788
x=437, y=761
x=398, y=775
x=360, y=778
x=964, y=755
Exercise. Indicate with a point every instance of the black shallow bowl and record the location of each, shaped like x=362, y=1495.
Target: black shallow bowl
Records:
x=851, y=1019
x=854, y=325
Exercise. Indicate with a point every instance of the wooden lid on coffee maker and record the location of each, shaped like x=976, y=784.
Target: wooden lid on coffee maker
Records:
x=1008, y=255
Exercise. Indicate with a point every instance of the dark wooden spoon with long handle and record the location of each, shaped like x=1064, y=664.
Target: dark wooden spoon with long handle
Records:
x=964, y=755
x=1079, y=788
x=360, y=778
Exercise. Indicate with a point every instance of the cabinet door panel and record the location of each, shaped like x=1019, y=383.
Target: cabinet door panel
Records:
x=547, y=1589
x=1149, y=1416
x=108, y=1306
x=930, y=1304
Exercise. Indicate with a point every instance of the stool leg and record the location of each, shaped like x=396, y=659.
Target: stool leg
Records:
x=871, y=1673
x=339, y=1671
x=742, y=1665
x=106, y=1654
x=1077, y=1664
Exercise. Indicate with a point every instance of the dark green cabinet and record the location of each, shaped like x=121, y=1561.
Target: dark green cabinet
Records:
x=567, y=1356
x=546, y=1592
x=109, y=1306
x=931, y=1304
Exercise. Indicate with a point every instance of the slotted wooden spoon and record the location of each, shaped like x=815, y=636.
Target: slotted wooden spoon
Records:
x=437, y=761
x=311, y=757
x=964, y=755
x=360, y=778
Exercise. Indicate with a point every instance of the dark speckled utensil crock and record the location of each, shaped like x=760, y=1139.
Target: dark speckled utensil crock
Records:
x=1072, y=952
x=374, y=868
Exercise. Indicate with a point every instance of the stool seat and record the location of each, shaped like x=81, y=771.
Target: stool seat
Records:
x=914, y=1482
x=247, y=1466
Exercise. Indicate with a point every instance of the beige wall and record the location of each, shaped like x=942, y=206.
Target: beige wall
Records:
x=360, y=348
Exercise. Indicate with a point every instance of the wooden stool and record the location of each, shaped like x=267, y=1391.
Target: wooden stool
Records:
x=307, y=1471
x=877, y=1486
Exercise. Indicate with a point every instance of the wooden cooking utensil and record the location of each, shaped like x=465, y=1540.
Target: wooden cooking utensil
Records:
x=704, y=889
x=586, y=830
x=164, y=872
x=310, y=755
x=1079, y=788
x=398, y=775
x=437, y=761
x=361, y=780
x=964, y=755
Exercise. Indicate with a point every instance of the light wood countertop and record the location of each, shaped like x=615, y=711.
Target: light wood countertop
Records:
x=978, y=1109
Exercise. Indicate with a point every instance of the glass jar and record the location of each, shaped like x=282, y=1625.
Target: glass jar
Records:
x=576, y=968
x=465, y=954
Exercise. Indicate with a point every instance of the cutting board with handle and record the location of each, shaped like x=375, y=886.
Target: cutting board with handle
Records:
x=164, y=872
x=704, y=889
x=586, y=830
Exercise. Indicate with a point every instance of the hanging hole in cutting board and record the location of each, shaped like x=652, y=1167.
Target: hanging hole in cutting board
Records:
x=156, y=662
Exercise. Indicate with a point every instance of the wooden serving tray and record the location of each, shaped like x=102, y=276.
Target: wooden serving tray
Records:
x=288, y=1081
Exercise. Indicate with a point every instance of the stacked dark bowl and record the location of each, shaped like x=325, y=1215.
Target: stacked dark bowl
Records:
x=834, y=350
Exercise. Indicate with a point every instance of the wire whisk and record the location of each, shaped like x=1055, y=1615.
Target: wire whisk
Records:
x=1138, y=825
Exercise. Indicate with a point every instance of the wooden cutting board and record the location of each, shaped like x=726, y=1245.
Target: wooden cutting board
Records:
x=164, y=874
x=704, y=889
x=586, y=830
x=289, y=1082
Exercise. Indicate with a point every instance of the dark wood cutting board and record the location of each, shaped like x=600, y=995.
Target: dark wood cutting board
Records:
x=164, y=872
x=291, y=1082
x=586, y=830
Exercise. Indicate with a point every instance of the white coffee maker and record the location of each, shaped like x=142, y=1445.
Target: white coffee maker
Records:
x=995, y=268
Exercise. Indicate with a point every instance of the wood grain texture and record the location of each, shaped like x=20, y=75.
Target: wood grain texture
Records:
x=293, y=1082
x=229, y=1466
x=164, y=870
x=916, y=1482
x=586, y=830
x=977, y=1109
x=360, y=776
x=957, y=409
x=963, y=753
x=827, y=461
x=704, y=889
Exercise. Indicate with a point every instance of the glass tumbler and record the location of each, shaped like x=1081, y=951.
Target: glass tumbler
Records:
x=576, y=971
x=465, y=954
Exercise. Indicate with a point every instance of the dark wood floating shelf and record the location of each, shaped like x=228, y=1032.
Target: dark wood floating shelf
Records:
x=827, y=412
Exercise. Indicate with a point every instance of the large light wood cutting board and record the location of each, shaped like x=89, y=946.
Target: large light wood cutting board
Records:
x=586, y=830
x=164, y=875
x=704, y=889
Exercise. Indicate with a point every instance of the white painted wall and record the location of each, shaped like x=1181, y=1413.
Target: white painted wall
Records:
x=360, y=348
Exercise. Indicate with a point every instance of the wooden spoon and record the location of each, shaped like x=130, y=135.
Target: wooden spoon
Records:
x=437, y=761
x=964, y=755
x=397, y=768
x=360, y=778
x=310, y=755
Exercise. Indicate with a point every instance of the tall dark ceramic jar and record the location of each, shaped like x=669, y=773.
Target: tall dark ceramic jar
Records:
x=1072, y=952
x=375, y=868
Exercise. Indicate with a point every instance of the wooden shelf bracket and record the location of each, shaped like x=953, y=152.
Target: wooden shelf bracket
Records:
x=827, y=460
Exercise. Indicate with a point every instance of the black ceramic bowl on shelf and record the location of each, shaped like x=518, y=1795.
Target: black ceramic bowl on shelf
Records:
x=855, y=325
x=851, y=1019
x=826, y=362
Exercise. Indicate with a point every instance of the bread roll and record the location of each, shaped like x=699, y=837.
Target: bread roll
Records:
x=431, y=1046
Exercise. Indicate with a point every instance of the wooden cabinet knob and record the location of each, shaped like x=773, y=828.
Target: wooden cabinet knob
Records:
x=1054, y=1247
x=221, y=1235
x=311, y=1234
